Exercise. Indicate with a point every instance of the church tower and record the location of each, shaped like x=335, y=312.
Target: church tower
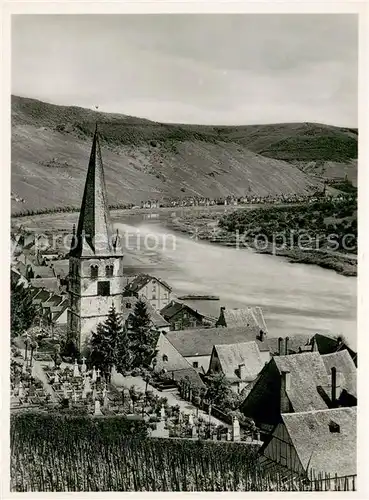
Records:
x=95, y=258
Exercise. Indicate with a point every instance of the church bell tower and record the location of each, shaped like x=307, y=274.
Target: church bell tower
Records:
x=95, y=258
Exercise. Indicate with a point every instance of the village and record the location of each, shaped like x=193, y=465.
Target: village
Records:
x=89, y=340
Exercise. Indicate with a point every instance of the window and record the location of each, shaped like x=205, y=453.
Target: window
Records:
x=94, y=271
x=165, y=358
x=109, y=271
x=103, y=288
x=195, y=364
x=128, y=305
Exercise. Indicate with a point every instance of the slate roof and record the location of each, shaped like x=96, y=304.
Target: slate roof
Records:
x=346, y=370
x=307, y=372
x=200, y=341
x=42, y=296
x=294, y=343
x=142, y=280
x=43, y=272
x=232, y=355
x=51, y=284
x=250, y=316
x=174, y=308
x=318, y=448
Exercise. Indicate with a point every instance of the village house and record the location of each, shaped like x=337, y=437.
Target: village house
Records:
x=300, y=382
x=153, y=289
x=239, y=363
x=182, y=316
x=250, y=316
x=196, y=345
x=128, y=305
x=169, y=360
x=313, y=442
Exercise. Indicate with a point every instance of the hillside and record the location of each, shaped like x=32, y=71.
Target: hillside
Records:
x=144, y=159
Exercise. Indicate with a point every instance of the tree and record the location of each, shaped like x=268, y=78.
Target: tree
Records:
x=143, y=336
x=219, y=389
x=104, y=341
x=123, y=354
x=23, y=312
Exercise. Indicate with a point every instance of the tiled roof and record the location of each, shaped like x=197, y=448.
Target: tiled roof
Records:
x=294, y=343
x=42, y=296
x=191, y=374
x=200, y=341
x=318, y=448
x=232, y=355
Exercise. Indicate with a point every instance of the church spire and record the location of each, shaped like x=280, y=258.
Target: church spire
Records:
x=94, y=230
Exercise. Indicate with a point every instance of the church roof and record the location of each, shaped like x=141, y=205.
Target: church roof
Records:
x=94, y=235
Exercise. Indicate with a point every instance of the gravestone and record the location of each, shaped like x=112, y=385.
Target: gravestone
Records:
x=65, y=391
x=76, y=369
x=94, y=375
x=20, y=390
x=75, y=396
x=83, y=367
x=97, y=408
x=162, y=412
x=98, y=372
x=190, y=419
x=236, y=436
x=87, y=385
x=228, y=437
x=160, y=430
x=194, y=433
x=106, y=399
x=24, y=368
x=56, y=378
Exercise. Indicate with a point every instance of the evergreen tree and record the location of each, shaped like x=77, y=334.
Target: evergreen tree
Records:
x=104, y=341
x=219, y=389
x=123, y=354
x=143, y=336
x=23, y=312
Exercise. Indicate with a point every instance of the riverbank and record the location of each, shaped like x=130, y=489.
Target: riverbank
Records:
x=205, y=227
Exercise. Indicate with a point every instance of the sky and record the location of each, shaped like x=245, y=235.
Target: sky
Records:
x=204, y=69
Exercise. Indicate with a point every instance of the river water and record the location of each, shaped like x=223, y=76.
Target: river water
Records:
x=296, y=298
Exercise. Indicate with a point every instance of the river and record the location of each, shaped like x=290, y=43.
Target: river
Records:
x=296, y=298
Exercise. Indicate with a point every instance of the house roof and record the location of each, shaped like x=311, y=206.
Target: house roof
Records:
x=307, y=372
x=232, y=355
x=43, y=272
x=51, y=284
x=250, y=316
x=346, y=370
x=318, y=448
x=155, y=317
x=294, y=343
x=42, y=296
x=61, y=267
x=174, y=308
x=142, y=280
x=63, y=306
x=200, y=341
x=191, y=374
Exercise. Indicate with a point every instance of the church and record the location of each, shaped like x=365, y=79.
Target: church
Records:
x=95, y=258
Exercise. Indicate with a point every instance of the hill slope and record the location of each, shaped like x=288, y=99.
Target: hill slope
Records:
x=144, y=159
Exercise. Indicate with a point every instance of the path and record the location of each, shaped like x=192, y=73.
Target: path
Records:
x=173, y=397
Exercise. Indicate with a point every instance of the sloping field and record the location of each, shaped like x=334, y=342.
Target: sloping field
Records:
x=144, y=160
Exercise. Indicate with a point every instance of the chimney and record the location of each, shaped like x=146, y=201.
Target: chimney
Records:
x=280, y=343
x=334, y=386
x=286, y=346
x=242, y=371
x=261, y=335
x=314, y=347
x=285, y=386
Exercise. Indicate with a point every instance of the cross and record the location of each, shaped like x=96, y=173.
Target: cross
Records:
x=98, y=372
x=83, y=360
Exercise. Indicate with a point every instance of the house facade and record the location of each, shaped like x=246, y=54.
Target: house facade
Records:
x=239, y=363
x=181, y=316
x=150, y=288
x=312, y=443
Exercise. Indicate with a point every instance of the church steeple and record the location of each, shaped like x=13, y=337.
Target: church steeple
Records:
x=94, y=230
